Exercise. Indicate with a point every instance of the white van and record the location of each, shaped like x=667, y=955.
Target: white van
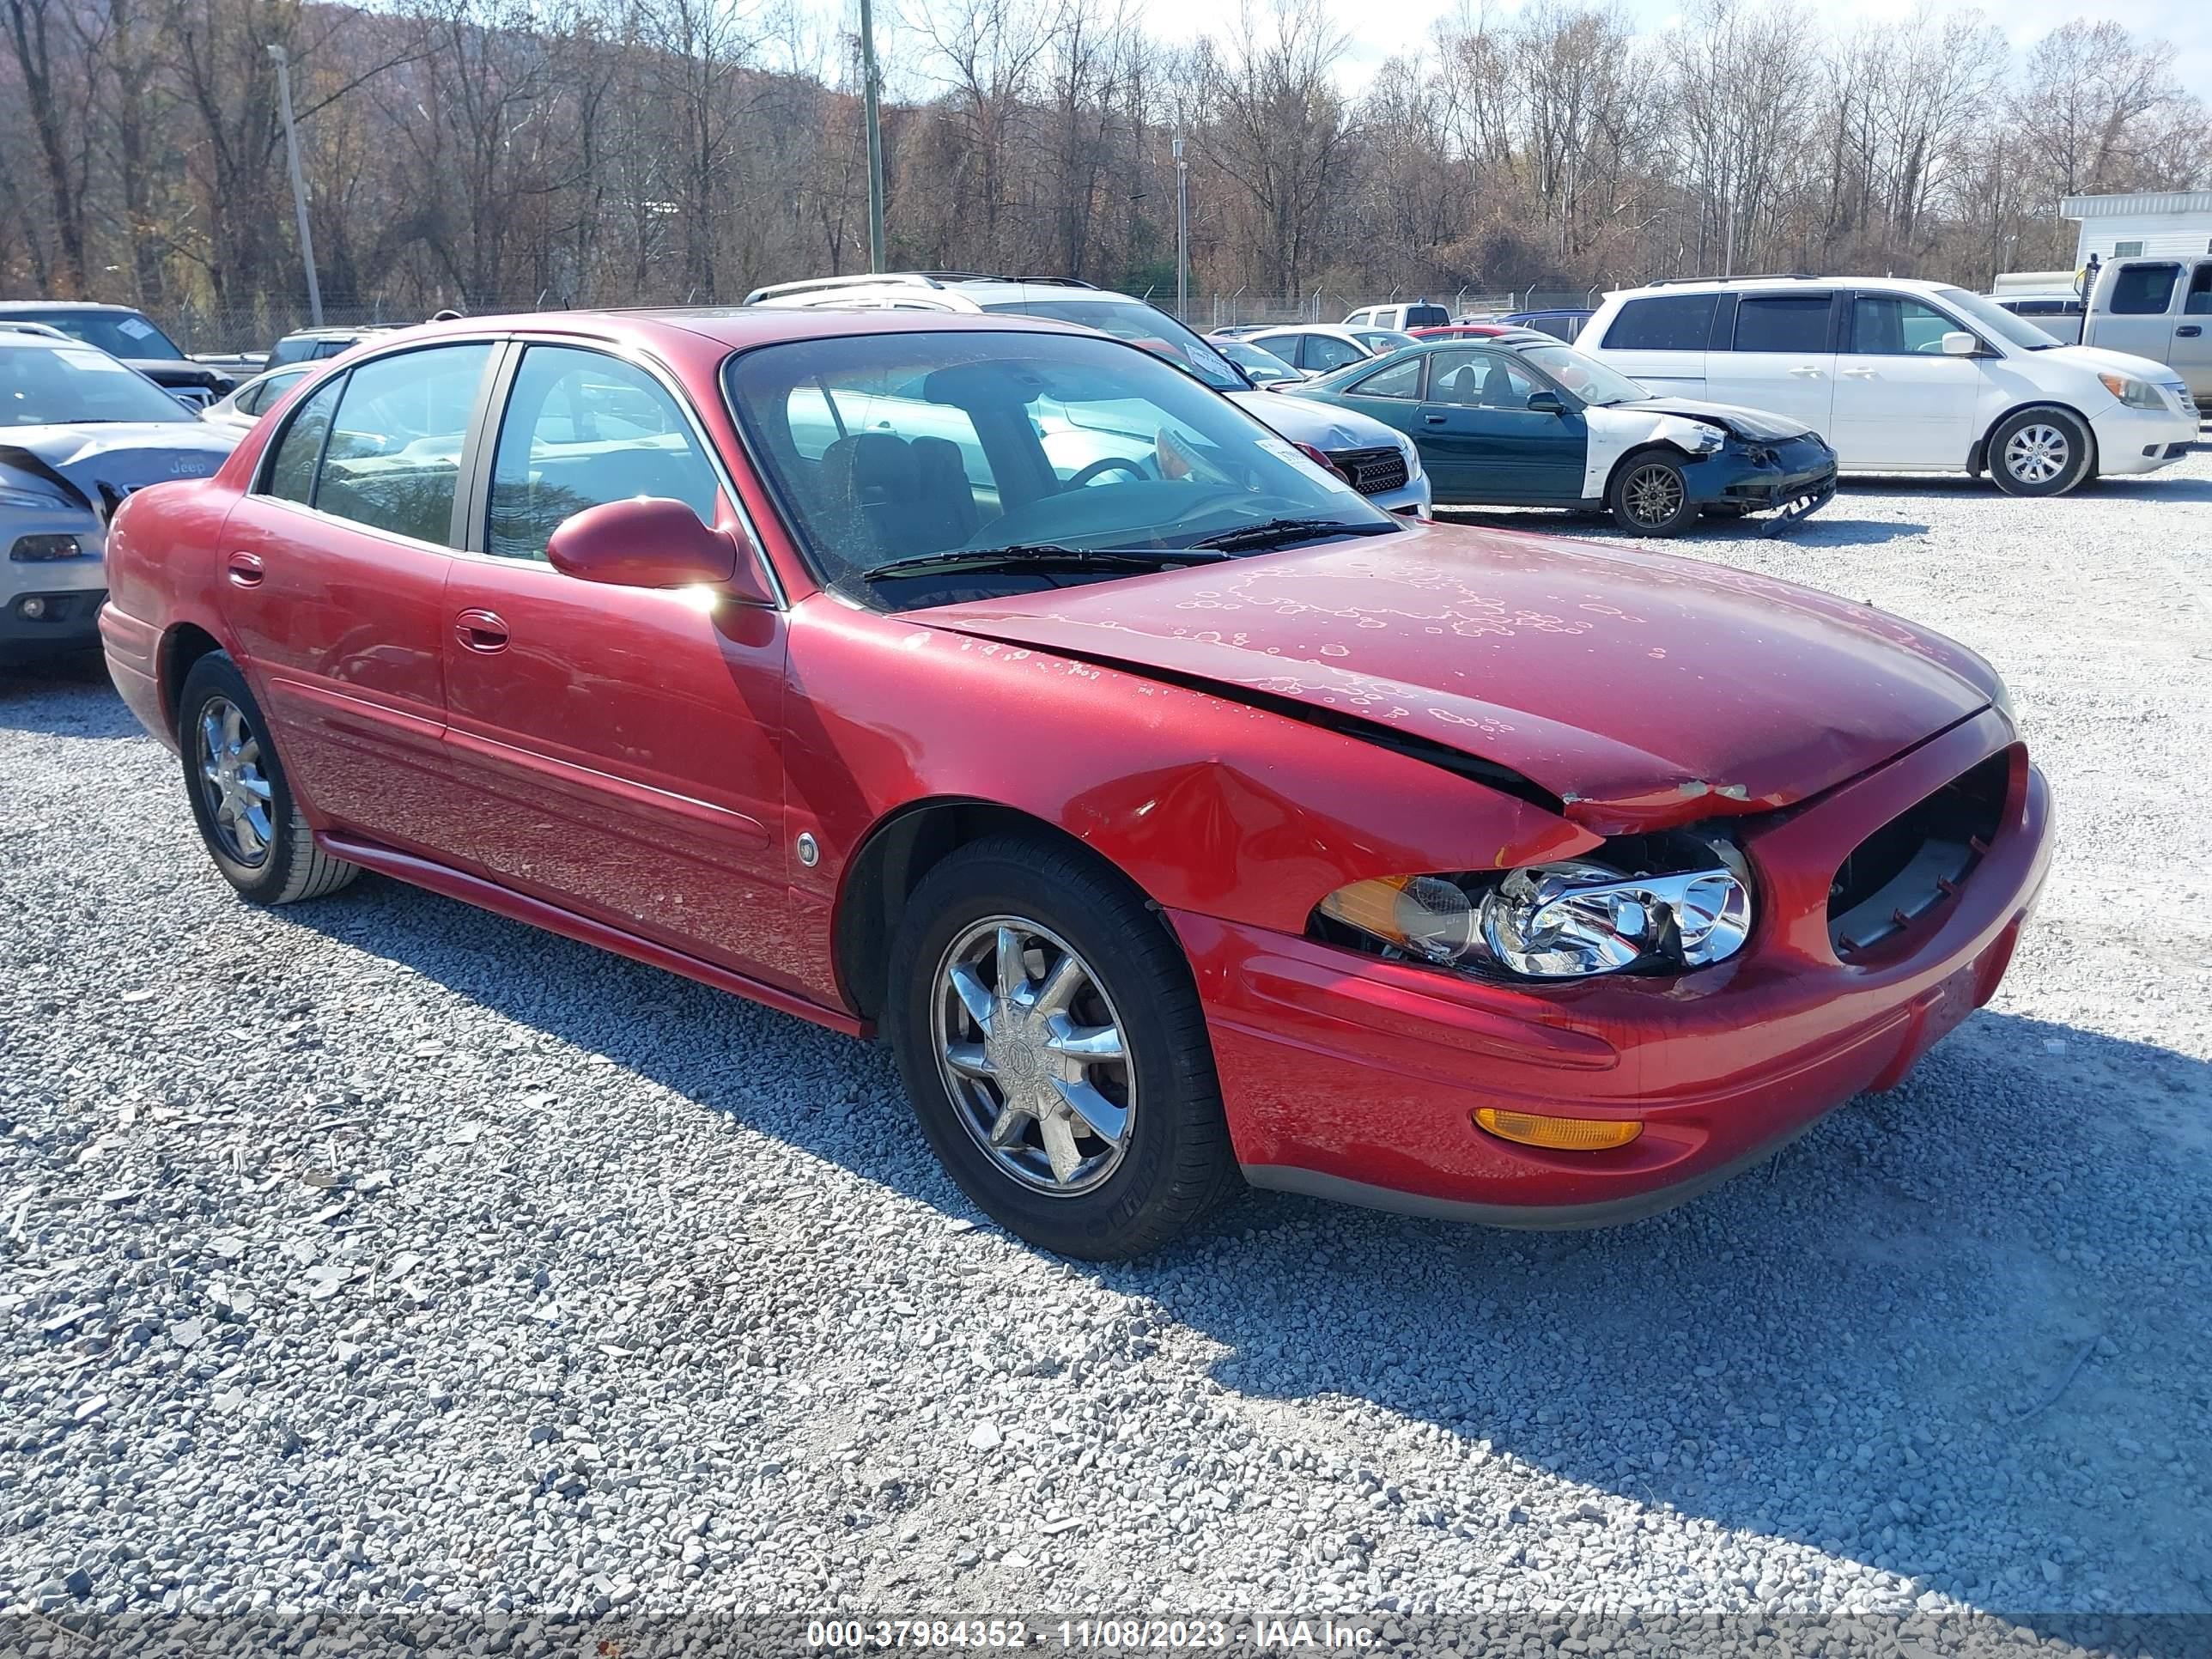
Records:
x=1420, y=313
x=1903, y=376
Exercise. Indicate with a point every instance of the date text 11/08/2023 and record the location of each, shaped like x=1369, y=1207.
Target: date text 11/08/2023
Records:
x=1078, y=1635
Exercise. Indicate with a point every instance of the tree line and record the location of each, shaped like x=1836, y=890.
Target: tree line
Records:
x=489, y=153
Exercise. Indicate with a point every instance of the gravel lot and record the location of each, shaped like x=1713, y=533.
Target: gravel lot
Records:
x=382, y=1255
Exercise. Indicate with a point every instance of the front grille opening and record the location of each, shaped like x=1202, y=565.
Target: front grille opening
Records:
x=1373, y=471
x=1917, y=861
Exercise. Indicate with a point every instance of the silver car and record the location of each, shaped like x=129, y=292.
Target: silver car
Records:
x=238, y=412
x=79, y=431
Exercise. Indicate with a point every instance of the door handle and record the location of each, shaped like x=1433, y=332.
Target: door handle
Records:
x=246, y=569
x=481, y=631
x=1434, y=419
x=2188, y=331
x=1807, y=372
x=1859, y=375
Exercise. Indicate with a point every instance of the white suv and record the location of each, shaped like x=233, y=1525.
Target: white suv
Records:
x=1903, y=376
x=1380, y=463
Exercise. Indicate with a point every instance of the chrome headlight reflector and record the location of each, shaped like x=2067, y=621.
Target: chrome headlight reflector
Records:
x=2136, y=394
x=1573, y=919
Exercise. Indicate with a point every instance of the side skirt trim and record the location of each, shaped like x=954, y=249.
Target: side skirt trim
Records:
x=518, y=907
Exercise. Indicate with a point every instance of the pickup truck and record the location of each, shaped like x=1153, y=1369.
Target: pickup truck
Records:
x=2158, y=309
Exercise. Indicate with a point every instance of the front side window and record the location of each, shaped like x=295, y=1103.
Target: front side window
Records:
x=393, y=459
x=1478, y=379
x=582, y=428
x=2199, y=302
x=2144, y=291
x=1672, y=322
x=885, y=448
x=1783, y=322
x=292, y=470
x=1892, y=325
x=44, y=383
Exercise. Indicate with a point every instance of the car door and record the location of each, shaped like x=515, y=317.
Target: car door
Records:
x=2139, y=294
x=1780, y=356
x=1899, y=401
x=1392, y=395
x=1498, y=449
x=335, y=569
x=2191, y=353
x=619, y=749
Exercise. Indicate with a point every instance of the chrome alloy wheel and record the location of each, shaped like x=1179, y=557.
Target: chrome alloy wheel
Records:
x=2038, y=453
x=1653, y=495
x=1031, y=1050
x=231, y=779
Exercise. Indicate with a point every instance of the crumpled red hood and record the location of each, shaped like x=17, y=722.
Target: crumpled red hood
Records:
x=1641, y=690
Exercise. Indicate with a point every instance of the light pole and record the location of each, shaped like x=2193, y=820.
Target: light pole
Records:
x=1182, y=233
x=299, y=185
x=868, y=103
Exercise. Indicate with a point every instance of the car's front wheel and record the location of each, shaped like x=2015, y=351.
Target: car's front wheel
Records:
x=1051, y=1040
x=2041, y=452
x=248, y=820
x=1650, y=495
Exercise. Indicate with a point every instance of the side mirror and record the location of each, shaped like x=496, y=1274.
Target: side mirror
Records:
x=650, y=542
x=1960, y=343
x=1547, y=403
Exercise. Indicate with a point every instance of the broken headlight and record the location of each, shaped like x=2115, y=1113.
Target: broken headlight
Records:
x=1651, y=904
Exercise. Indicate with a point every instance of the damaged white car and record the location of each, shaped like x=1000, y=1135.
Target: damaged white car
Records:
x=79, y=431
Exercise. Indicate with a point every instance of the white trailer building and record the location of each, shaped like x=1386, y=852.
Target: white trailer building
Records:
x=2170, y=222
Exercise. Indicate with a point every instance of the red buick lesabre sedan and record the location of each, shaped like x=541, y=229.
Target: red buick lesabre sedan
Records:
x=1179, y=818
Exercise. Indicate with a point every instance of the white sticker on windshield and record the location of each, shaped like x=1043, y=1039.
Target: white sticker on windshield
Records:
x=136, y=328
x=1290, y=452
x=98, y=361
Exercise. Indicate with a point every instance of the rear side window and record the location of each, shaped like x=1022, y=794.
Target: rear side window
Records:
x=393, y=459
x=1425, y=316
x=581, y=429
x=292, y=473
x=1672, y=322
x=1401, y=379
x=1783, y=322
x=2144, y=291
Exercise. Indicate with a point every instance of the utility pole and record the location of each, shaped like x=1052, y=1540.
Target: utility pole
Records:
x=869, y=94
x=298, y=184
x=1182, y=233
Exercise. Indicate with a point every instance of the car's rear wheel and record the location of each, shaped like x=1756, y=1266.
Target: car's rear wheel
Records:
x=1650, y=495
x=1052, y=1042
x=248, y=820
x=2041, y=452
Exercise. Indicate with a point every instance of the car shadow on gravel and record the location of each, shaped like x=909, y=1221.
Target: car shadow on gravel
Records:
x=27, y=702
x=1821, y=529
x=1955, y=1333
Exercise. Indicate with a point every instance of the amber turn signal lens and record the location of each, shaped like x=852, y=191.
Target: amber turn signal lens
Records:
x=1564, y=1134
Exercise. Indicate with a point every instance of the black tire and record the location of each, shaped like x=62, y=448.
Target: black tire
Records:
x=1176, y=1163
x=2041, y=452
x=1649, y=495
x=287, y=865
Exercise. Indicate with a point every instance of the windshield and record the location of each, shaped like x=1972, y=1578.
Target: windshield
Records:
x=1995, y=319
x=118, y=334
x=68, y=386
x=889, y=447
x=1587, y=378
x=1141, y=324
x=1263, y=366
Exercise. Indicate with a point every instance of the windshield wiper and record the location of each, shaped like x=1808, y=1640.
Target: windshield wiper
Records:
x=1047, y=555
x=1281, y=532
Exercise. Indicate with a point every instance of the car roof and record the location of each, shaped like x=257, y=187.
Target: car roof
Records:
x=1779, y=280
x=735, y=327
x=18, y=307
x=826, y=291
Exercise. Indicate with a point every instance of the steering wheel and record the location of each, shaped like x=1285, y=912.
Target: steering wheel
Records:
x=1102, y=465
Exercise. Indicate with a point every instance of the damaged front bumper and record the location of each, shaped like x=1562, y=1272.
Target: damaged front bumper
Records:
x=1794, y=479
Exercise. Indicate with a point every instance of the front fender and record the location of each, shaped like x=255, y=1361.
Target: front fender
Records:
x=1210, y=806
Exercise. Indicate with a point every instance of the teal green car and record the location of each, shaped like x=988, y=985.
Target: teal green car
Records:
x=1507, y=423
